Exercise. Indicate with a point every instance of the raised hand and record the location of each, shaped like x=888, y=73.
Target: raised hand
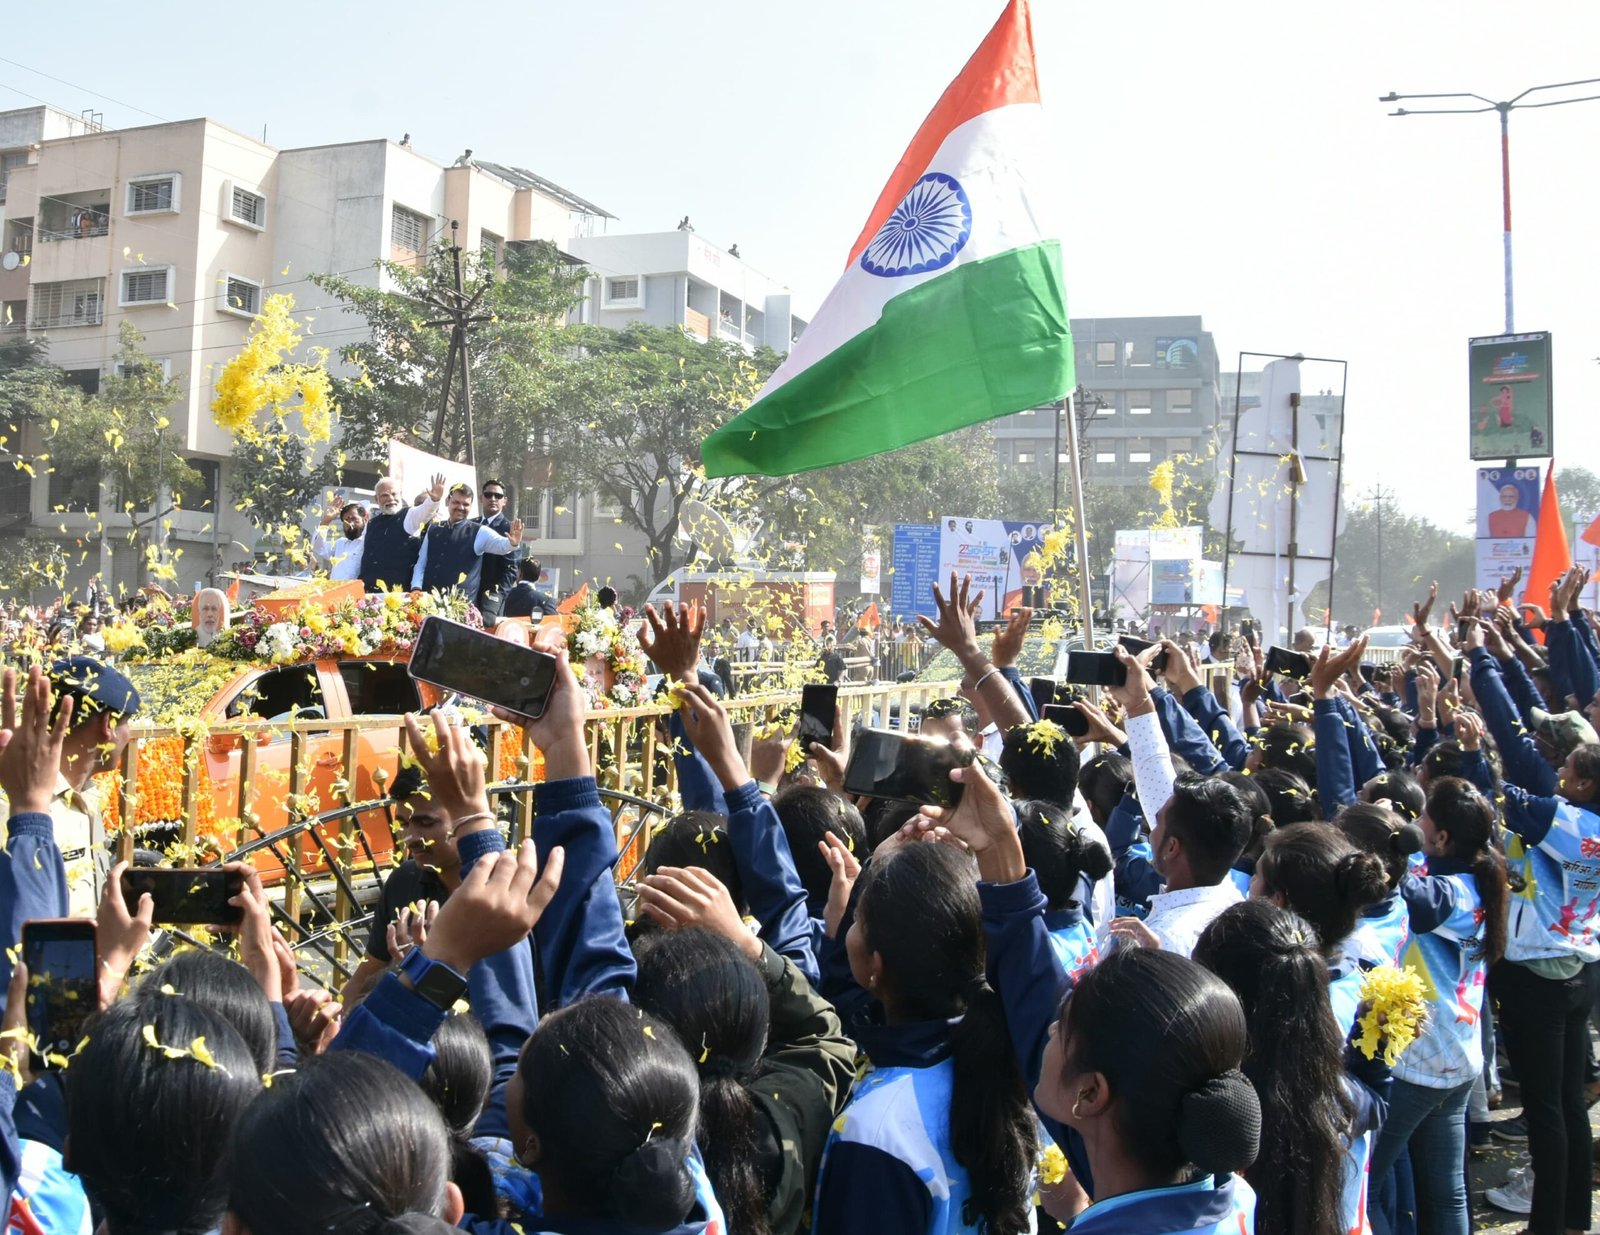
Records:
x=497, y=905
x=984, y=822
x=1421, y=612
x=455, y=771
x=1182, y=674
x=257, y=939
x=1469, y=730
x=706, y=722
x=436, y=491
x=1134, y=693
x=1008, y=639
x=683, y=896
x=671, y=637
x=30, y=760
x=1100, y=727
x=121, y=936
x=515, y=534
x=844, y=869
x=956, y=627
x=1508, y=587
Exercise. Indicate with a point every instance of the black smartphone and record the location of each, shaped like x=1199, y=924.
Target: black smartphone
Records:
x=818, y=705
x=1043, y=691
x=1290, y=664
x=1135, y=646
x=63, y=960
x=455, y=657
x=902, y=768
x=1369, y=672
x=185, y=896
x=1069, y=718
x=1096, y=669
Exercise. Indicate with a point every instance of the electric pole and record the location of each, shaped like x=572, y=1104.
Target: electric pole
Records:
x=460, y=314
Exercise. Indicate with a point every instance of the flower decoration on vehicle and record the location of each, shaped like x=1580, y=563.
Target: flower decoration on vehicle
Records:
x=379, y=621
x=604, y=650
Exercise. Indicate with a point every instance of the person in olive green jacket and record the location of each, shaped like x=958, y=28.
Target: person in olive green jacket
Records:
x=775, y=1065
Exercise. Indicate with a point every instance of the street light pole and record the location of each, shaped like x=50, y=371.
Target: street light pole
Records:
x=1505, y=108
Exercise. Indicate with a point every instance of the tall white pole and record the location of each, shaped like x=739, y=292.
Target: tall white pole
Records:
x=1080, y=531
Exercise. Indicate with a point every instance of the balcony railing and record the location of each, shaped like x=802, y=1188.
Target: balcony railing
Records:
x=89, y=315
x=93, y=227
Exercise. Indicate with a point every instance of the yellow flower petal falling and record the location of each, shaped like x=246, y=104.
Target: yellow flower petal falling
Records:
x=261, y=378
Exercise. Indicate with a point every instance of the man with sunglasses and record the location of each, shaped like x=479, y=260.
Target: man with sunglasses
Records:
x=499, y=571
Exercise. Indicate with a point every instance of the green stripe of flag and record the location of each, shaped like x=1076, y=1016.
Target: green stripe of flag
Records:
x=988, y=339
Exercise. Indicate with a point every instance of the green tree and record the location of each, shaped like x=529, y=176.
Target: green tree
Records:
x=520, y=358
x=275, y=479
x=1386, y=559
x=117, y=439
x=1580, y=498
x=638, y=403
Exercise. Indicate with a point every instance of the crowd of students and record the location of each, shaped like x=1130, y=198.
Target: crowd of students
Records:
x=1120, y=995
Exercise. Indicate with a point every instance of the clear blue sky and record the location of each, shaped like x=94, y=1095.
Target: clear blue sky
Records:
x=1227, y=160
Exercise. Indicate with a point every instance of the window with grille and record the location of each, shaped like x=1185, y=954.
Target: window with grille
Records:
x=242, y=296
x=1105, y=353
x=618, y=290
x=1139, y=403
x=490, y=244
x=161, y=366
x=410, y=230
x=77, y=302
x=152, y=194
x=146, y=286
x=249, y=208
x=1180, y=401
x=7, y=162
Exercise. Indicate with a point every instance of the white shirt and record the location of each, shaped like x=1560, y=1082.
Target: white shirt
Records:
x=487, y=541
x=344, y=554
x=1178, y=919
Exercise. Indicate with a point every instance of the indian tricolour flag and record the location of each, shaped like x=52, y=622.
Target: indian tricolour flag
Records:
x=952, y=308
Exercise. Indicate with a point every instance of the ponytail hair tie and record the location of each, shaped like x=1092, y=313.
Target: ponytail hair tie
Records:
x=974, y=988
x=716, y=1067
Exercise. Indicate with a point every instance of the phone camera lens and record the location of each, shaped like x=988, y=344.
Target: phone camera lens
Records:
x=524, y=681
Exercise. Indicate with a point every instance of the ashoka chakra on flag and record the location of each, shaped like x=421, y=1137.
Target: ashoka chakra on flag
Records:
x=927, y=229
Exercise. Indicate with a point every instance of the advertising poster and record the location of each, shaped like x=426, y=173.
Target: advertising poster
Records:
x=992, y=552
x=1177, y=353
x=916, y=567
x=1508, y=521
x=1508, y=378
x=1586, y=553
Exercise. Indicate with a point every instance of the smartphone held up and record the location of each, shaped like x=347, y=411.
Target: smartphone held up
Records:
x=905, y=768
x=63, y=960
x=456, y=657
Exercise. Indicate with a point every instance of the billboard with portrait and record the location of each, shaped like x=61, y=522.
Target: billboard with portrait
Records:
x=1508, y=521
x=1508, y=379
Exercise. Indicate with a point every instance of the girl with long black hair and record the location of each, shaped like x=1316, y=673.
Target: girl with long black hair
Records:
x=773, y=1062
x=1316, y=1120
x=1312, y=869
x=938, y=1135
x=1069, y=863
x=1458, y=923
x=1141, y=1061
x=1384, y=928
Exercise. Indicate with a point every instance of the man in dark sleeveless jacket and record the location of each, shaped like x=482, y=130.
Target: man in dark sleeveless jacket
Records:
x=499, y=570
x=390, y=544
x=452, y=553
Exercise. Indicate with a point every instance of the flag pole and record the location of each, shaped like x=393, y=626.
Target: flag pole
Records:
x=1080, y=532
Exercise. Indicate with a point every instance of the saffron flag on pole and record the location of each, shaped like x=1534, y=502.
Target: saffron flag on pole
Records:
x=1552, y=556
x=952, y=308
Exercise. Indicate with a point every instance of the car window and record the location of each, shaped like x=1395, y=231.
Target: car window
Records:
x=379, y=688
x=278, y=693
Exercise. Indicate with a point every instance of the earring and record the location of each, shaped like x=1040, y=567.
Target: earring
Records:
x=1082, y=1094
